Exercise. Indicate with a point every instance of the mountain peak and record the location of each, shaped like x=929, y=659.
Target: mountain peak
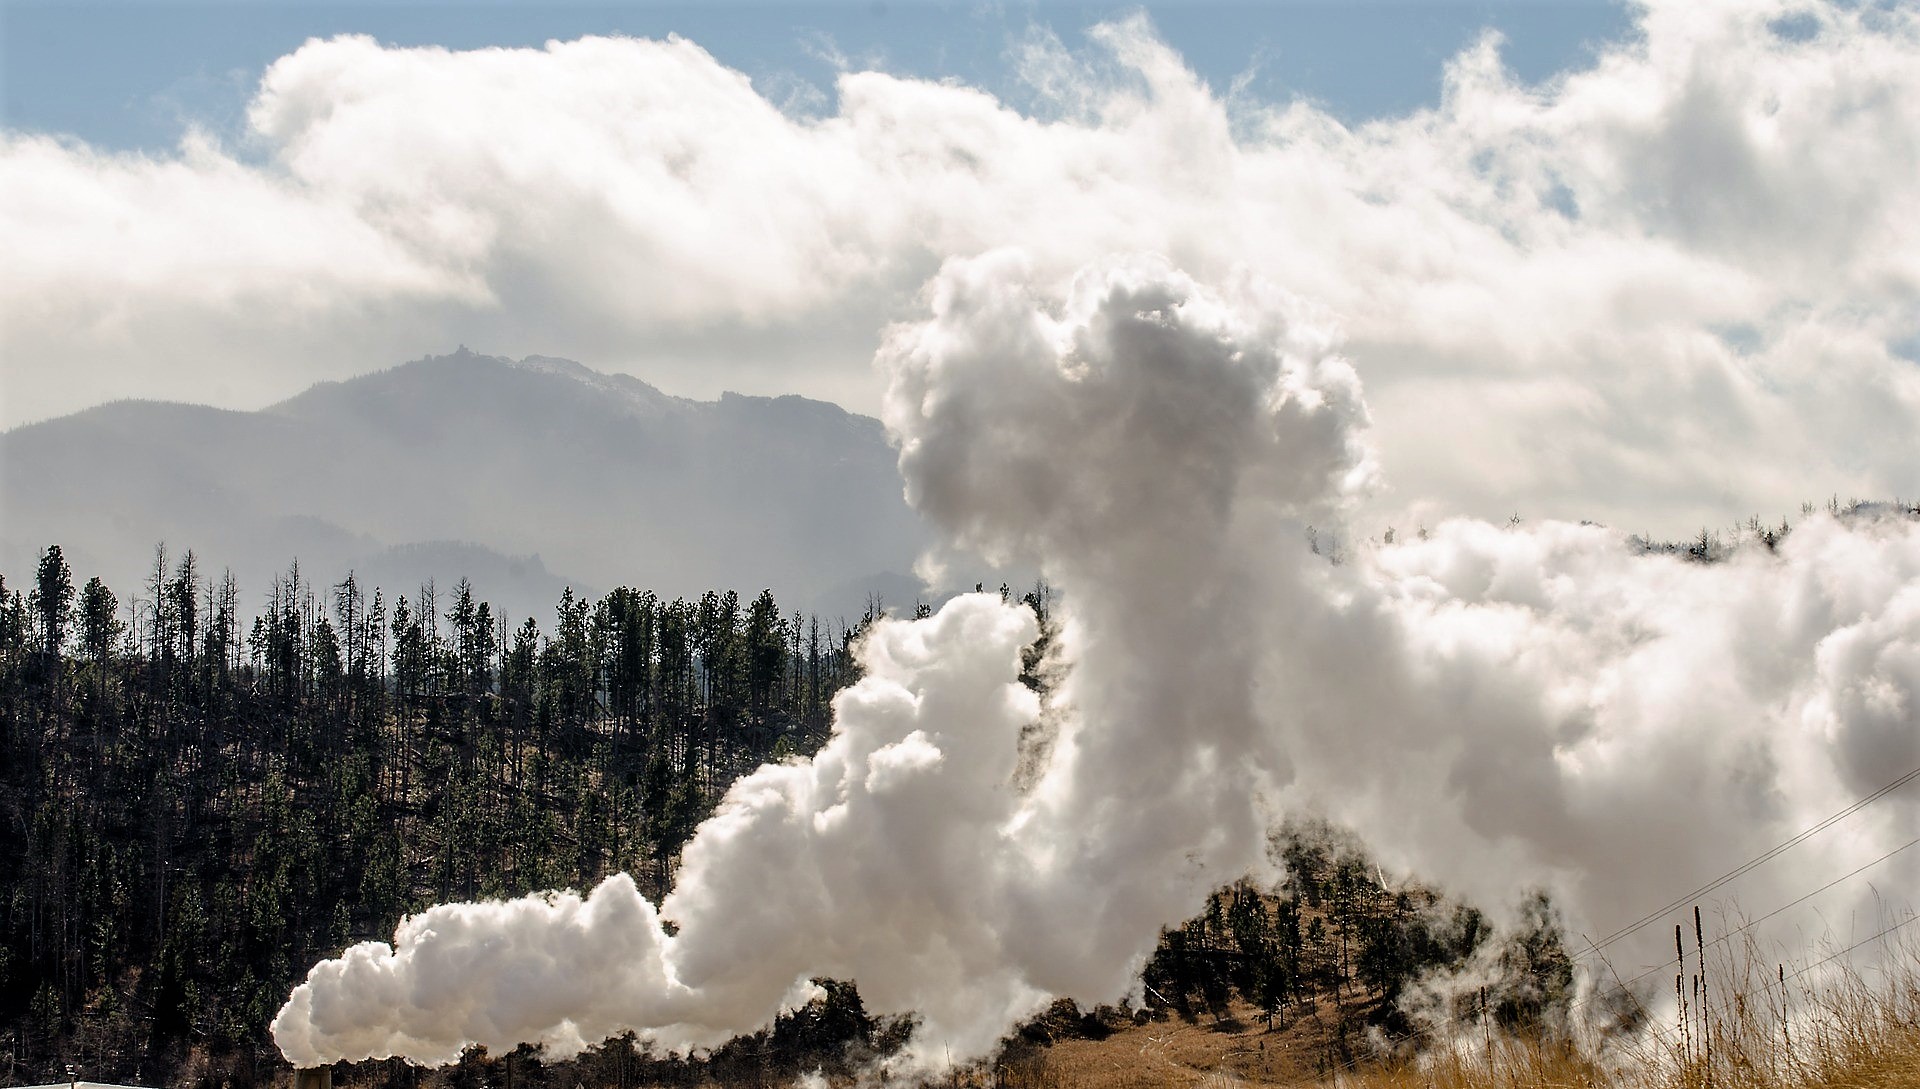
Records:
x=464, y=355
x=605, y=478
x=631, y=392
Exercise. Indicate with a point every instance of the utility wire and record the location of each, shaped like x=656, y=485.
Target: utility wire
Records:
x=1666, y=1034
x=1663, y=1033
x=1594, y=948
x=1481, y=1009
x=1908, y=921
x=1749, y=925
x=1747, y=867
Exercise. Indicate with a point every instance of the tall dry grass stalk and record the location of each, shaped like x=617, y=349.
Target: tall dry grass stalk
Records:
x=1768, y=1027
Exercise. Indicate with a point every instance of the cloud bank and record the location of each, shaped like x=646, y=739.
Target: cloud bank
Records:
x=1498, y=708
x=1666, y=289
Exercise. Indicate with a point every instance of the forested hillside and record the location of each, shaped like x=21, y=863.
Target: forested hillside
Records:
x=198, y=806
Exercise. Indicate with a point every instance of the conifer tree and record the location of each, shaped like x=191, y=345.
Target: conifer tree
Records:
x=99, y=621
x=52, y=602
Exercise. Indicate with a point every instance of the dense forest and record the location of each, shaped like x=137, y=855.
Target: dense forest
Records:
x=197, y=808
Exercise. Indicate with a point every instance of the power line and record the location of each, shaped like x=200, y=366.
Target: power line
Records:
x=1908, y=921
x=1466, y=1017
x=1665, y=1033
x=1746, y=867
x=1662, y=1032
x=1749, y=925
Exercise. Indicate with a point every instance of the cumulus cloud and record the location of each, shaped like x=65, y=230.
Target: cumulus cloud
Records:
x=1666, y=288
x=1499, y=708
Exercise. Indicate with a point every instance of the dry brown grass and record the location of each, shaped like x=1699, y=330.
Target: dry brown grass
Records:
x=1848, y=1035
x=1760, y=1032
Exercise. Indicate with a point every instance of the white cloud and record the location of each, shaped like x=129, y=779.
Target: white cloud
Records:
x=1496, y=709
x=1658, y=291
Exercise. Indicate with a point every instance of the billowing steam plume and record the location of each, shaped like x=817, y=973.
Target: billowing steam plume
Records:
x=1495, y=707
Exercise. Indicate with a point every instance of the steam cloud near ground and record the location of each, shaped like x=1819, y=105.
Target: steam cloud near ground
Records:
x=1494, y=707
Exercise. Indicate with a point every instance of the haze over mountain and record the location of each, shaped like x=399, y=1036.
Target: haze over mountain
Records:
x=523, y=476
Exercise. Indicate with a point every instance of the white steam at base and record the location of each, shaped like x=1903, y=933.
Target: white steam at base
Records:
x=1496, y=708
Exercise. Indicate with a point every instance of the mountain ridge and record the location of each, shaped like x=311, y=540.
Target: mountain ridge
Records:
x=605, y=477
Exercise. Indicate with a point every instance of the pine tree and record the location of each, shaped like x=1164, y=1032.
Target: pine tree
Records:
x=52, y=601
x=99, y=621
x=766, y=654
x=13, y=622
x=183, y=593
x=349, y=607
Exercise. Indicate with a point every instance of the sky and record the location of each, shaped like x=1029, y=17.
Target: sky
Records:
x=133, y=76
x=1642, y=264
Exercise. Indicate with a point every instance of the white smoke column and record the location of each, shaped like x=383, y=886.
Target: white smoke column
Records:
x=904, y=856
x=1494, y=708
x=871, y=860
x=1152, y=445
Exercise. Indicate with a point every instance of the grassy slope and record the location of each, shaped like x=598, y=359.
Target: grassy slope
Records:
x=1855, y=1033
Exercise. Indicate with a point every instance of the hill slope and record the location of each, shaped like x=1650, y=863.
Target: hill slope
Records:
x=531, y=473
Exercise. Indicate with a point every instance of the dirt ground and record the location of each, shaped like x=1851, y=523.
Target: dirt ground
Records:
x=1231, y=1046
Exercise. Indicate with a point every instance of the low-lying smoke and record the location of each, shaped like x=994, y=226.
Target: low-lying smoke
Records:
x=1496, y=708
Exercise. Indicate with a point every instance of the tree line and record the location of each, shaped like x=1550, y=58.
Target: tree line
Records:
x=197, y=806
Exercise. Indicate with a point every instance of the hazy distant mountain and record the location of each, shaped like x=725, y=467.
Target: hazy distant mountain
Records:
x=523, y=476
